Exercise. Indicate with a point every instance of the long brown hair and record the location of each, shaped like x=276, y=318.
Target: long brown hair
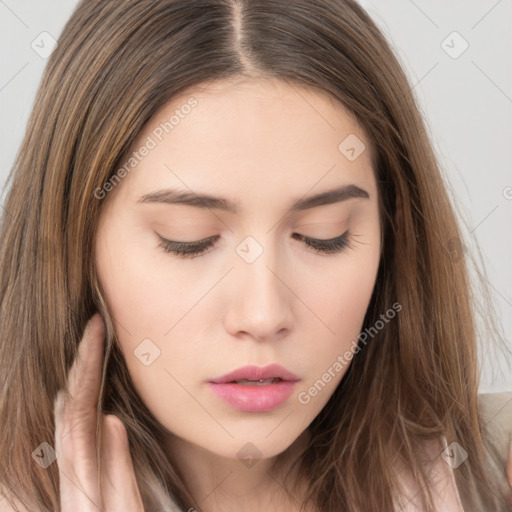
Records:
x=115, y=65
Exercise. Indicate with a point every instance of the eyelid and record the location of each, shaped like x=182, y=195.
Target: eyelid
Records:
x=186, y=249
x=313, y=239
x=327, y=246
x=199, y=248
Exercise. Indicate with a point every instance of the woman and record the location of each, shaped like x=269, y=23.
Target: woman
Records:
x=236, y=206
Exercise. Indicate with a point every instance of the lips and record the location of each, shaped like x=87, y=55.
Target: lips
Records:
x=255, y=389
x=257, y=373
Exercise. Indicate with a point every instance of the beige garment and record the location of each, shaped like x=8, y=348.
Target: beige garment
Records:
x=496, y=415
x=442, y=483
x=496, y=418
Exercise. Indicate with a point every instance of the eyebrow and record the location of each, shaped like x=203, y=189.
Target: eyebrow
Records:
x=172, y=196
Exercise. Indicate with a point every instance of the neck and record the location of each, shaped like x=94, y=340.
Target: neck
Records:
x=220, y=483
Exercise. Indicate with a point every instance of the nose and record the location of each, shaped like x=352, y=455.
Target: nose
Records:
x=260, y=299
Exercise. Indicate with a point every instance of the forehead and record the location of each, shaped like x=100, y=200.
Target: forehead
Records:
x=247, y=136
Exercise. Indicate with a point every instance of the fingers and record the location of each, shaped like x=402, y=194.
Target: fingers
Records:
x=81, y=488
x=84, y=378
x=118, y=483
x=75, y=424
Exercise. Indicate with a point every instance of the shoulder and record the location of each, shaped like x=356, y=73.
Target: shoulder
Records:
x=442, y=485
x=495, y=410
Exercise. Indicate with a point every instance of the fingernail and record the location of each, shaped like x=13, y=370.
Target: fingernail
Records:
x=96, y=321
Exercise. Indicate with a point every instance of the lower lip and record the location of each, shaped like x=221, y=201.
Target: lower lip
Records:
x=254, y=398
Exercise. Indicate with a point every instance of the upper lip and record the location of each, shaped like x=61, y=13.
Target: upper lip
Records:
x=256, y=373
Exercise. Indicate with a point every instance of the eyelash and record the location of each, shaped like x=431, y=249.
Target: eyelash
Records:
x=195, y=249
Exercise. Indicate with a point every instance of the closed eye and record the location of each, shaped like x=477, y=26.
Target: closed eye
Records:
x=329, y=246
x=187, y=249
x=193, y=249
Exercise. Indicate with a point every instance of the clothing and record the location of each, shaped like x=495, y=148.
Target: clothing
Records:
x=495, y=410
x=496, y=415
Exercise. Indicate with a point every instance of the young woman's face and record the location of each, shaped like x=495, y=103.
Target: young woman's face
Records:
x=260, y=294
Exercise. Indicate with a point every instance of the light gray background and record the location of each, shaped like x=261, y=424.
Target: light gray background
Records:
x=466, y=101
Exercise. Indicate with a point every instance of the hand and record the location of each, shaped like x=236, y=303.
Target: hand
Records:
x=75, y=438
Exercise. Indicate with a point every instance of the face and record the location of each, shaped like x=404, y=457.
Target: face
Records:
x=199, y=287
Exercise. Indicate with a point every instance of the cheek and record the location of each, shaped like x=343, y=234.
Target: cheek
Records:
x=144, y=306
x=151, y=303
x=339, y=294
x=340, y=302
x=151, y=297
x=144, y=291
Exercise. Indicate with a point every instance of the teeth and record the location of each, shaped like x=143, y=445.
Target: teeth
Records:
x=260, y=382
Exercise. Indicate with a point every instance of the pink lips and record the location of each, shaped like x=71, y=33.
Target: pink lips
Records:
x=255, y=397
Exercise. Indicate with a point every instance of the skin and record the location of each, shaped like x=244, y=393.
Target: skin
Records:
x=75, y=435
x=265, y=144
x=75, y=420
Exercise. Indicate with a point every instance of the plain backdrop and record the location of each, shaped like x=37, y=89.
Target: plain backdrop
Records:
x=457, y=55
